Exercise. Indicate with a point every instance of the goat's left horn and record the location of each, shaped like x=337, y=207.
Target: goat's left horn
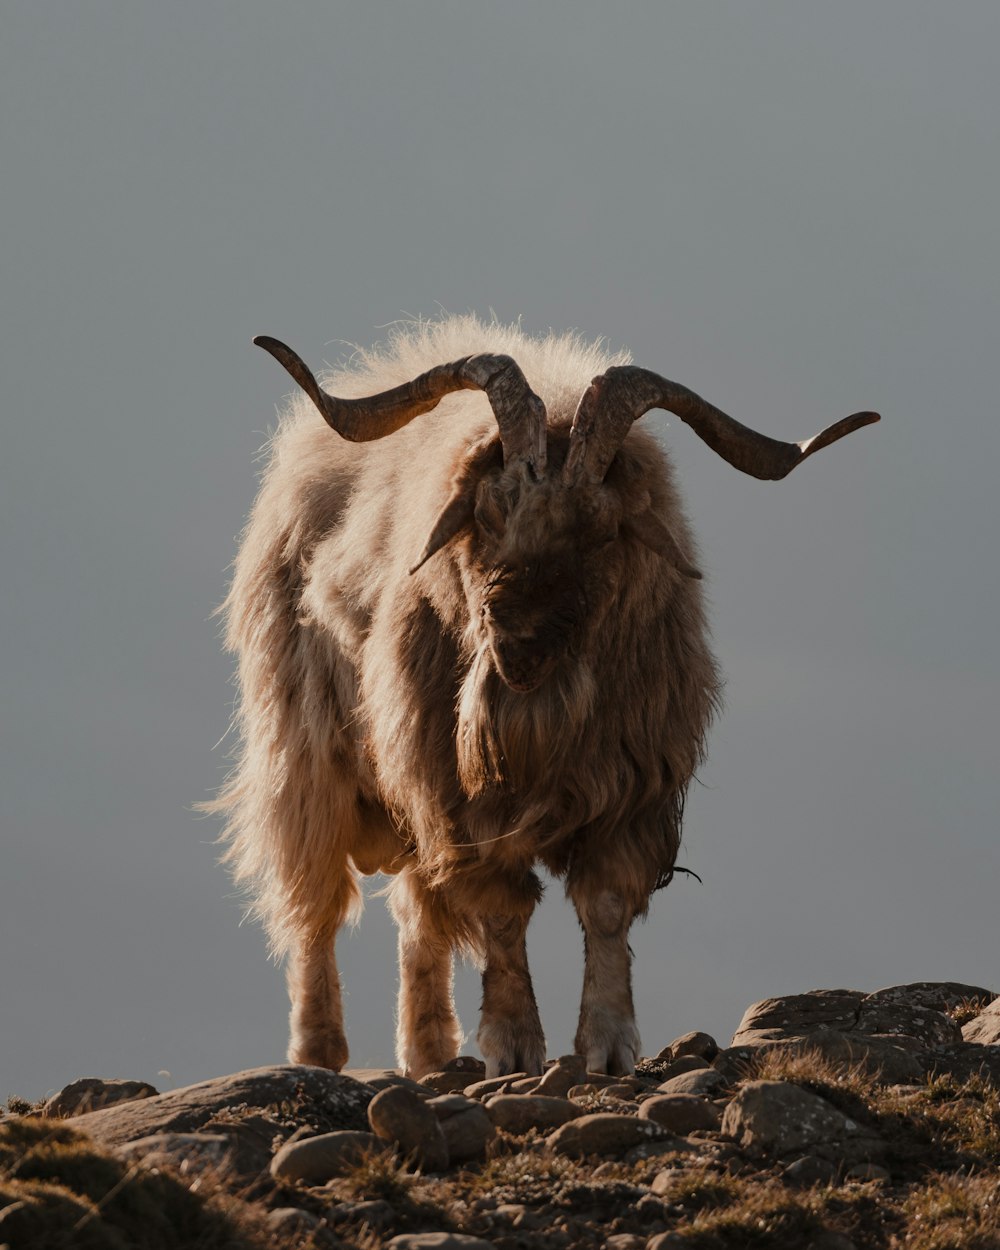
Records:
x=622, y=395
x=519, y=413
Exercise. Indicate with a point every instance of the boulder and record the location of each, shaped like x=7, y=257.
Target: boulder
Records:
x=466, y=1126
x=778, y=1118
x=700, y=1081
x=315, y=1160
x=188, y=1152
x=778, y=1019
x=316, y=1095
x=984, y=1029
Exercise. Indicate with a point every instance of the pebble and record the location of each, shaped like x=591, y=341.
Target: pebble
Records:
x=681, y=1113
x=519, y=1113
x=567, y=1071
x=492, y=1085
x=316, y=1160
x=467, y=1132
x=398, y=1115
x=702, y=1045
x=445, y=1082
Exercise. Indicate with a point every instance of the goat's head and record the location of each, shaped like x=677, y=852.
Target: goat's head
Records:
x=546, y=560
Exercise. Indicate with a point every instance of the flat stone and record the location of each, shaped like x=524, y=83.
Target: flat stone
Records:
x=681, y=1113
x=776, y=1019
x=559, y=1079
x=603, y=1134
x=315, y=1160
x=984, y=1029
x=401, y=1116
x=437, y=1241
x=91, y=1093
x=701, y=1081
x=525, y=1085
x=317, y=1095
x=520, y=1113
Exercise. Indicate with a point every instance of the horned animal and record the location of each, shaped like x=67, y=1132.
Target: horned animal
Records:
x=471, y=641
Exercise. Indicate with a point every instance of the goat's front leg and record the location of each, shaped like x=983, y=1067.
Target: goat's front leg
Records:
x=510, y=1032
x=606, y=1035
x=317, y=1021
x=428, y=1033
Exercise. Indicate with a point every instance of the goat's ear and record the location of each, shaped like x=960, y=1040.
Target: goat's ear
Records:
x=454, y=516
x=651, y=531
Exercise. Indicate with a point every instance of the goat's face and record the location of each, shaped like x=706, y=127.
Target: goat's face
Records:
x=540, y=573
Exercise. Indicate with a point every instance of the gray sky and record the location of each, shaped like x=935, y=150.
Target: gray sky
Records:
x=790, y=208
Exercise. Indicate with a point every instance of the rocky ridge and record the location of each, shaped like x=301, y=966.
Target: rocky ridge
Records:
x=833, y=1119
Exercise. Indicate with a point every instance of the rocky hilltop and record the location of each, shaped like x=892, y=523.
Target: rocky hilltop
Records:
x=833, y=1119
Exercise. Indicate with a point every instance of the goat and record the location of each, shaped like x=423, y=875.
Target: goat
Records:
x=531, y=685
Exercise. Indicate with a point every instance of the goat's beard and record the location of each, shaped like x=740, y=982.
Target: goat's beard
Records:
x=518, y=740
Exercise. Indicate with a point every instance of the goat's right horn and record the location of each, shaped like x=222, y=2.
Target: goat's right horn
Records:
x=622, y=395
x=520, y=414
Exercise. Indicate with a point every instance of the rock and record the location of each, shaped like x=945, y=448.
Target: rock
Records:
x=777, y=1019
x=779, y=1118
x=700, y=1045
x=984, y=1029
x=668, y=1241
x=466, y=1126
x=447, y=1082
x=377, y=1213
x=316, y=1160
x=624, y=1241
x=621, y=1092
x=525, y=1085
x=91, y=1093
x=660, y=1149
x=603, y=1135
x=867, y=1172
x=681, y=1113
x=567, y=1071
x=398, y=1115
x=682, y=1064
x=965, y=1061
x=943, y=996
x=188, y=1152
x=437, y=1241
x=702, y=1081
x=292, y=1222
x=473, y=1067
x=882, y=1057
x=393, y=1078
x=810, y=1170
x=929, y=1027
x=492, y=1085
x=519, y=1113
x=314, y=1094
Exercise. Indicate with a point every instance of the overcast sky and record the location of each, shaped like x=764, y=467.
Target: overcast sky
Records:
x=790, y=208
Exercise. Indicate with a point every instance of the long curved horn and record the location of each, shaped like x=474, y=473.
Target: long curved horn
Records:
x=622, y=395
x=519, y=412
